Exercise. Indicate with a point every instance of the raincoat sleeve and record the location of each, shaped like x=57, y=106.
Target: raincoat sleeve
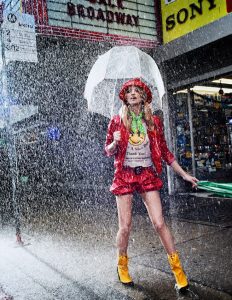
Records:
x=166, y=154
x=110, y=138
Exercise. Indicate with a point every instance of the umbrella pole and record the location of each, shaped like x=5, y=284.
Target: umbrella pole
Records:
x=11, y=149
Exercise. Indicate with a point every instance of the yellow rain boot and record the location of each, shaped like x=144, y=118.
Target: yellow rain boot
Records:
x=122, y=269
x=181, y=279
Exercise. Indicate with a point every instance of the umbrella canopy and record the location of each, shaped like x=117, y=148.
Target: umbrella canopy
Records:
x=221, y=189
x=115, y=67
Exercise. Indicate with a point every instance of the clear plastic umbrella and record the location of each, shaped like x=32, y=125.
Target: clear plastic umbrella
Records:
x=111, y=70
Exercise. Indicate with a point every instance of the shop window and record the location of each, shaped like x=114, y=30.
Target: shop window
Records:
x=211, y=134
x=183, y=144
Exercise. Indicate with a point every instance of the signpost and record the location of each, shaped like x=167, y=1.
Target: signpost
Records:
x=19, y=38
x=18, y=42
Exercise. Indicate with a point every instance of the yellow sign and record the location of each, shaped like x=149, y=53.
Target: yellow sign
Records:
x=180, y=17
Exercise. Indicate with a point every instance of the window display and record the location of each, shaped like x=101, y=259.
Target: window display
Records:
x=183, y=134
x=212, y=133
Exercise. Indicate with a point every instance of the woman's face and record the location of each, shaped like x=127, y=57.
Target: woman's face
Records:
x=133, y=95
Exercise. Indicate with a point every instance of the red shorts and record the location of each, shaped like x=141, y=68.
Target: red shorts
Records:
x=127, y=182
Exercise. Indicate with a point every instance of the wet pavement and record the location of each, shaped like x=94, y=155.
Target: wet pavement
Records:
x=72, y=255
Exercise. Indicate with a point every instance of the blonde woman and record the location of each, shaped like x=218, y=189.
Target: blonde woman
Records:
x=136, y=139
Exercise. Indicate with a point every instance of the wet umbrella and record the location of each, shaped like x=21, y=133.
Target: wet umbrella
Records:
x=221, y=189
x=111, y=70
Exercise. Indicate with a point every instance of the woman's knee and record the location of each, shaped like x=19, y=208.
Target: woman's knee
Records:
x=159, y=225
x=125, y=229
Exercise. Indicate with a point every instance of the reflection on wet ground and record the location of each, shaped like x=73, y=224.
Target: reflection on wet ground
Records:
x=72, y=255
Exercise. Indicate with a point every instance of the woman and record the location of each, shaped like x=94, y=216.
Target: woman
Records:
x=136, y=139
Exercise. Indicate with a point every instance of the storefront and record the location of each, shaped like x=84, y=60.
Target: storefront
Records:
x=70, y=36
x=203, y=142
x=196, y=58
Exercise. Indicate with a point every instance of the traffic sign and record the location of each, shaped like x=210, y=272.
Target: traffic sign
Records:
x=19, y=37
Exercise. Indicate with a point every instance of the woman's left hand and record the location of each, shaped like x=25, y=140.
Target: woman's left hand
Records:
x=191, y=179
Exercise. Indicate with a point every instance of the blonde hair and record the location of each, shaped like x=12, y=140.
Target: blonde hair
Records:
x=147, y=113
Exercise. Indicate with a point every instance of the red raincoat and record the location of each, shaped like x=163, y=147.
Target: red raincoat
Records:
x=158, y=146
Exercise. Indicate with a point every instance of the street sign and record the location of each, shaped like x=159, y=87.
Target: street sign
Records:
x=19, y=37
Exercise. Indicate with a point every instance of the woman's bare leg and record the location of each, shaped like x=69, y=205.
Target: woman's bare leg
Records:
x=124, y=206
x=154, y=208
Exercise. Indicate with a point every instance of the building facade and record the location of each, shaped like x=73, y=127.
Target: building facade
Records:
x=196, y=60
x=59, y=149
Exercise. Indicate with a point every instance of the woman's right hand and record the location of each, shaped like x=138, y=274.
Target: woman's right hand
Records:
x=117, y=136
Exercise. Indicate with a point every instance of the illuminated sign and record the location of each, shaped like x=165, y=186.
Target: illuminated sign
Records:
x=134, y=18
x=109, y=16
x=181, y=17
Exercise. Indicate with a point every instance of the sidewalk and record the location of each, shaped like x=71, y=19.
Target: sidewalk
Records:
x=72, y=256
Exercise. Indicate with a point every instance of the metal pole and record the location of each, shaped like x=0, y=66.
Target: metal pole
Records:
x=167, y=129
x=168, y=134
x=11, y=148
x=191, y=132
